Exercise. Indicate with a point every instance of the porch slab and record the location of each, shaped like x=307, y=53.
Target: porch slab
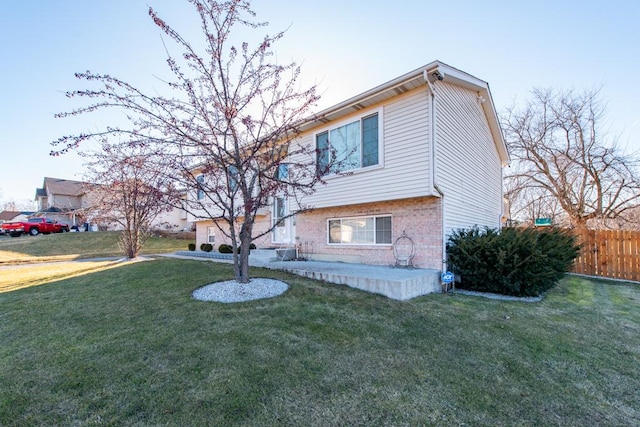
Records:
x=396, y=283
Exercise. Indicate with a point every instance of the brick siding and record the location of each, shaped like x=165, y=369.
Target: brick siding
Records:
x=421, y=218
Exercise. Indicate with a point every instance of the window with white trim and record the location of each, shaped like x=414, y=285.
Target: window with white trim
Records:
x=211, y=235
x=200, y=180
x=279, y=211
x=351, y=146
x=282, y=172
x=233, y=178
x=366, y=230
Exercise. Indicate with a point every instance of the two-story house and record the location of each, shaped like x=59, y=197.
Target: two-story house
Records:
x=63, y=200
x=424, y=155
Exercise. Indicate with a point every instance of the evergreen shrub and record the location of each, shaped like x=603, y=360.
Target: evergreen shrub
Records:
x=228, y=249
x=511, y=261
x=225, y=249
x=207, y=247
x=192, y=246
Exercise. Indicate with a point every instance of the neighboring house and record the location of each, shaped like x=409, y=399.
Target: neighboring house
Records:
x=173, y=220
x=425, y=154
x=63, y=200
x=14, y=216
x=72, y=202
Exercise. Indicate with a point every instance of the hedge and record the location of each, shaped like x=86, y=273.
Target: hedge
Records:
x=228, y=249
x=511, y=261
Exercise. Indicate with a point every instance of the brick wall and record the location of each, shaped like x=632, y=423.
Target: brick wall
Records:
x=421, y=218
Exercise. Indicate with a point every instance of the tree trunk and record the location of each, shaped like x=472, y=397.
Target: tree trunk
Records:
x=129, y=241
x=242, y=272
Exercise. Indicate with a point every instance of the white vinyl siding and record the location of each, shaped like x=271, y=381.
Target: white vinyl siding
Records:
x=403, y=169
x=469, y=169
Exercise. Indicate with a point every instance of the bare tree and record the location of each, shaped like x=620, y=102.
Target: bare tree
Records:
x=126, y=193
x=226, y=131
x=20, y=205
x=528, y=203
x=565, y=165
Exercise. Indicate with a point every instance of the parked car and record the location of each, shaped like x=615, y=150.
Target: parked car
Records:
x=34, y=226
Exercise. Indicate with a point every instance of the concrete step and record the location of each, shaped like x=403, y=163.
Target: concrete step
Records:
x=395, y=283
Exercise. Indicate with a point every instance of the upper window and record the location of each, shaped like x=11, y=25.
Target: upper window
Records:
x=282, y=172
x=350, y=146
x=233, y=178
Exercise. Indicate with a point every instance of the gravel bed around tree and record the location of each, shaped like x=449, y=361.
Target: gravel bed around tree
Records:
x=232, y=291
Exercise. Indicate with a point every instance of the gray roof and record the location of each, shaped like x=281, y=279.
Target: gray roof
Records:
x=64, y=187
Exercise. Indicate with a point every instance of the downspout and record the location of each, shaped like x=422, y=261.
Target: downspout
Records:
x=503, y=214
x=434, y=183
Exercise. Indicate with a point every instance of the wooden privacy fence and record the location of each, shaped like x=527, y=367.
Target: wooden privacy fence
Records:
x=609, y=253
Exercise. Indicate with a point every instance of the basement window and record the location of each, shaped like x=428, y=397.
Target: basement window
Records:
x=370, y=230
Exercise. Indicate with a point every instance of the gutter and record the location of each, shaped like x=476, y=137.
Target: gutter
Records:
x=437, y=75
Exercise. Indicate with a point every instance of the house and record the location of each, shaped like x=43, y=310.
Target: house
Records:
x=424, y=156
x=14, y=216
x=63, y=200
x=73, y=202
x=173, y=219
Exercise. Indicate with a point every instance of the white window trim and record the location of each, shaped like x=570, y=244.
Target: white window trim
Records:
x=200, y=186
x=344, y=122
x=285, y=206
x=359, y=244
x=210, y=235
x=274, y=227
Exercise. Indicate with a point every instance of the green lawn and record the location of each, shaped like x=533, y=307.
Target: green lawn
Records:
x=127, y=345
x=68, y=246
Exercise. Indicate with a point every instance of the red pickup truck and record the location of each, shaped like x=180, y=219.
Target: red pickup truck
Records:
x=34, y=226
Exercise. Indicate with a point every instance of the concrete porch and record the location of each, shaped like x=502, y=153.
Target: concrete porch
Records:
x=395, y=283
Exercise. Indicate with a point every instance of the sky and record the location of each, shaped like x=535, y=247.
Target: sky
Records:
x=345, y=47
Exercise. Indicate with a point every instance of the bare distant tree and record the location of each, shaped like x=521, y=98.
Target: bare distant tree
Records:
x=565, y=165
x=126, y=193
x=22, y=205
x=227, y=128
x=527, y=203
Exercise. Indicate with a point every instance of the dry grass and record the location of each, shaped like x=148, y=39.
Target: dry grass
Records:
x=25, y=276
x=70, y=246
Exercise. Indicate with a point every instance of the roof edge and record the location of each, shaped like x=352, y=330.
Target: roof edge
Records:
x=433, y=70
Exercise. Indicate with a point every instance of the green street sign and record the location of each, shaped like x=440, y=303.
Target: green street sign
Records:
x=543, y=222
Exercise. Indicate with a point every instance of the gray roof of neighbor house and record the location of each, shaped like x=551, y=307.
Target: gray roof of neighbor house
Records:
x=9, y=215
x=64, y=187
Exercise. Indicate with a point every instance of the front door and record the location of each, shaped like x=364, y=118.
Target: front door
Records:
x=284, y=226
